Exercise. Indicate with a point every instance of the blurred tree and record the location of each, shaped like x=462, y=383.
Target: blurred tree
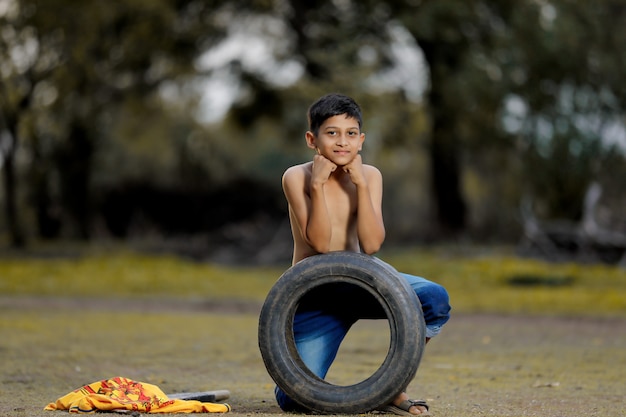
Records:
x=561, y=60
x=8, y=146
x=94, y=93
x=344, y=44
x=567, y=106
x=67, y=65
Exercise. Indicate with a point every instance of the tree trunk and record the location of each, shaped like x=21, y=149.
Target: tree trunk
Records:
x=297, y=20
x=74, y=165
x=445, y=180
x=8, y=170
x=445, y=144
x=48, y=219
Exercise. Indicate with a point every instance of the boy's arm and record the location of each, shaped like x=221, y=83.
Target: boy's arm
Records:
x=309, y=209
x=370, y=224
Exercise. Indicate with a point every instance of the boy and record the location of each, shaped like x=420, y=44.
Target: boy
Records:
x=335, y=204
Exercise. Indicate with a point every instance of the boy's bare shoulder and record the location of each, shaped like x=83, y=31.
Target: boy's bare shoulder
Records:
x=372, y=170
x=371, y=167
x=301, y=170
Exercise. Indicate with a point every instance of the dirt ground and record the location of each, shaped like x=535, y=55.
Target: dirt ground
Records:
x=482, y=365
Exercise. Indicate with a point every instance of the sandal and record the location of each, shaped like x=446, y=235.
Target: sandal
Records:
x=402, y=409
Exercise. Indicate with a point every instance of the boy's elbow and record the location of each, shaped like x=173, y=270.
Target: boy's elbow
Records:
x=372, y=246
x=370, y=249
x=319, y=245
x=321, y=248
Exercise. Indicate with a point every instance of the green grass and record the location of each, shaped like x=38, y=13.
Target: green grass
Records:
x=492, y=281
x=126, y=274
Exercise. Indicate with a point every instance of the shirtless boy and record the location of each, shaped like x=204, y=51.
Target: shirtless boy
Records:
x=335, y=204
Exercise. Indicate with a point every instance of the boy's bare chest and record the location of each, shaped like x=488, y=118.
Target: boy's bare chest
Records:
x=341, y=200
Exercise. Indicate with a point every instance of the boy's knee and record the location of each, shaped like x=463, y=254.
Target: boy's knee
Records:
x=436, y=305
x=435, y=294
x=441, y=297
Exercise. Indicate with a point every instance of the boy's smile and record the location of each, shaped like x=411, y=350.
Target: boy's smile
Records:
x=339, y=139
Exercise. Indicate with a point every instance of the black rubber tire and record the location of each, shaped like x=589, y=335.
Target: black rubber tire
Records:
x=406, y=330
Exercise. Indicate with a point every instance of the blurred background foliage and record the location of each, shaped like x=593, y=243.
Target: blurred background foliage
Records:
x=170, y=122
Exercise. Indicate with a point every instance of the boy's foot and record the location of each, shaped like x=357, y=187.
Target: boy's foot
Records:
x=403, y=406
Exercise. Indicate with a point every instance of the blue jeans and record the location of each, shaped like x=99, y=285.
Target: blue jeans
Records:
x=318, y=333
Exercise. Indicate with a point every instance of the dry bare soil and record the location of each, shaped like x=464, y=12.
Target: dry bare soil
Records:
x=482, y=365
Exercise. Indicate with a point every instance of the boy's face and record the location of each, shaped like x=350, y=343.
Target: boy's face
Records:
x=339, y=139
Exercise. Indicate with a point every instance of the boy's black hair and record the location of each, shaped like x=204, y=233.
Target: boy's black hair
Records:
x=332, y=105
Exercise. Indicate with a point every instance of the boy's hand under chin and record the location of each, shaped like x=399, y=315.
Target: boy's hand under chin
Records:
x=355, y=170
x=322, y=168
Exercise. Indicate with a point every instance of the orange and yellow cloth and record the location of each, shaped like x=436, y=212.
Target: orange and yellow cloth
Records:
x=121, y=393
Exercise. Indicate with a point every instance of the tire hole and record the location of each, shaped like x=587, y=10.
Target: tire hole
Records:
x=362, y=352
x=366, y=344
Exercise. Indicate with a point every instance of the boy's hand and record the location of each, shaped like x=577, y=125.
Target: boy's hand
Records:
x=322, y=168
x=355, y=170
